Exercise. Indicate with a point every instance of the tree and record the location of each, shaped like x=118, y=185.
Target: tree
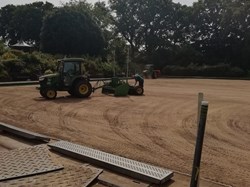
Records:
x=6, y=15
x=23, y=22
x=127, y=23
x=102, y=15
x=149, y=25
x=219, y=30
x=236, y=22
x=72, y=32
x=208, y=33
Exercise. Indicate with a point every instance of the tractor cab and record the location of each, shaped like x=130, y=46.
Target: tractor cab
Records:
x=70, y=69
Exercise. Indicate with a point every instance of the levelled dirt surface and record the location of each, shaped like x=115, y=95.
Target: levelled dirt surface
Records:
x=158, y=128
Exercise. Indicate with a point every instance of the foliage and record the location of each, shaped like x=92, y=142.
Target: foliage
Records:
x=204, y=39
x=186, y=55
x=91, y=65
x=3, y=47
x=46, y=61
x=17, y=65
x=107, y=69
x=23, y=22
x=220, y=70
x=71, y=32
x=210, y=32
x=15, y=68
x=126, y=22
x=95, y=67
x=8, y=55
x=6, y=15
x=147, y=25
x=3, y=73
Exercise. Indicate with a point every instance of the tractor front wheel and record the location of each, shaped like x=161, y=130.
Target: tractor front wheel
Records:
x=50, y=93
x=83, y=89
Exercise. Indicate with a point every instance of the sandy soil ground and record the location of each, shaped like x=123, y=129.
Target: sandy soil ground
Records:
x=158, y=128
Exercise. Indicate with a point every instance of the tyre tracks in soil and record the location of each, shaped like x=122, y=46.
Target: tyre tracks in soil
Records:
x=161, y=134
x=127, y=132
x=65, y=119
x=114, y=123
x=30, y=113
x=226, y=123
x=151, y=141
x=16, y=107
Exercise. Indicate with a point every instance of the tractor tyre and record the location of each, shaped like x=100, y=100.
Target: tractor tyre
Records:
x=50, y=93
x=83, y=89
x=139, y=90
x=42, y=93
x=71, y=92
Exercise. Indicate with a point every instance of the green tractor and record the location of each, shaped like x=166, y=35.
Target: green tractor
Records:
x=70, y=76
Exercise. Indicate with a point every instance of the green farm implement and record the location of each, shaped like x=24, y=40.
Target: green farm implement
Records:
x=119, y=87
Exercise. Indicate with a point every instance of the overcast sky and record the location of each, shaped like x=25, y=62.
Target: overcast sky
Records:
x=59, y=2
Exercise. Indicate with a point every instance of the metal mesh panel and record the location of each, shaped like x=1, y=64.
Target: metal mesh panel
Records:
x=70, y=176
x=25, y=162
x=127, y=166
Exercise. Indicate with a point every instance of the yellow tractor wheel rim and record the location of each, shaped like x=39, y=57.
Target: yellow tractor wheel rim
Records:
x=51, y=93
x=83, y=89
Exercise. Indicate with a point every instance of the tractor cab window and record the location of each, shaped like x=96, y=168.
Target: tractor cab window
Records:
x=71, y=68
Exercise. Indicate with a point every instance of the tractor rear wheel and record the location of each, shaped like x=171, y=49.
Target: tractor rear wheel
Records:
x=139, y=90
x=83, y=89
x=50, y=93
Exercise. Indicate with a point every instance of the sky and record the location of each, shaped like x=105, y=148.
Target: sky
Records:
x=59, y=2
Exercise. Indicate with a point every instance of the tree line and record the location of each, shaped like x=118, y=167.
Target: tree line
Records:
x=210, y=38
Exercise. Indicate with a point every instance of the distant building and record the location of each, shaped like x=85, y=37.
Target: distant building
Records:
x=21, y=45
